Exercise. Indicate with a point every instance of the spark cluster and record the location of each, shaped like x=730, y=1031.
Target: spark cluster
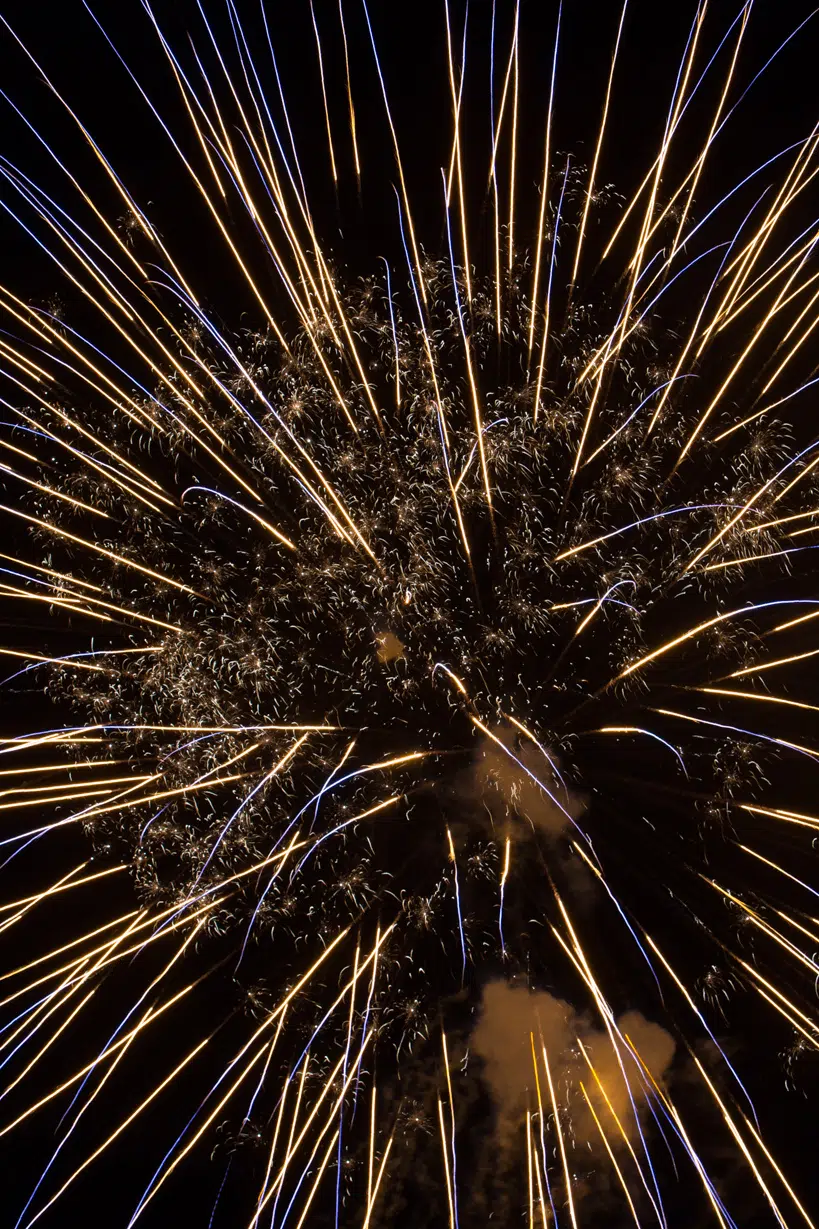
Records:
x=425, y=664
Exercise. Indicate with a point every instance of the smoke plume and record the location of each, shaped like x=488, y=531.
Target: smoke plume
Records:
x=518, y=1028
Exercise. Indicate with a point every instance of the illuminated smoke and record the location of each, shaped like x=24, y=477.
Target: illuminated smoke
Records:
x=521, y=785
x=515, y=1024
x=389, y=647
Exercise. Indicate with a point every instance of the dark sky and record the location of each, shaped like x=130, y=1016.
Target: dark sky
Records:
x=781, y=108
x=412, y=47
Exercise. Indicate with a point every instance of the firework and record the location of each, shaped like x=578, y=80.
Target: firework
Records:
x=422, y=663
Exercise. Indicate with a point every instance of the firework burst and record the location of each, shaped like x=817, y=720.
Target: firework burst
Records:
x=425, y=664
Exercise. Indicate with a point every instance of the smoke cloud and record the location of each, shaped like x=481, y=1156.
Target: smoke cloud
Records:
x=388, y=647
x=517, y=780
x=512, y=1019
